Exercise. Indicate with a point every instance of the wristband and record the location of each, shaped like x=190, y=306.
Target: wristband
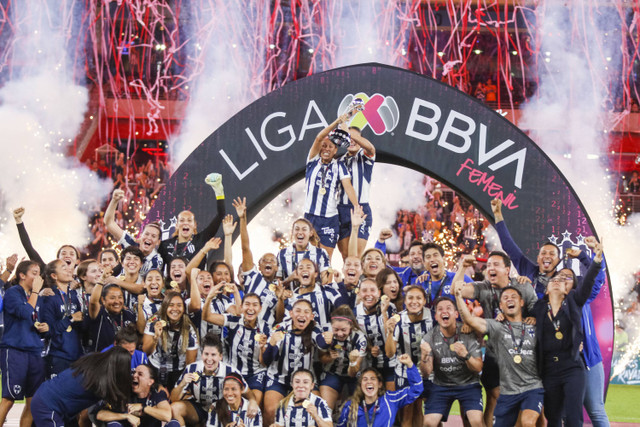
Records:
x=467, y=357
x=353, y=363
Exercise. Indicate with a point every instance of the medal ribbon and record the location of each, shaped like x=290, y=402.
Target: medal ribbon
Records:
x=516, y=346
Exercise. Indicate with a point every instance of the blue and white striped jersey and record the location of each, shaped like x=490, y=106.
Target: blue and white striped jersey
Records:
x=268, y=311
x=151, y=261
x=291, y=354
x=323, y=299
x=408, y=336
x=208, y=388
x=255, y=282
x=289, y=257
x=150, y=307
x=173, y=359
x=219, y=305
x=239, y=415
x=360, y=167
x=296, y=416
x=243, y=349
x=373, y=327
x=323, y=186
x=340, y=366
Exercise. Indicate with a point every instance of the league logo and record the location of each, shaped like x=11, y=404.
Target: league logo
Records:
x=380, y=112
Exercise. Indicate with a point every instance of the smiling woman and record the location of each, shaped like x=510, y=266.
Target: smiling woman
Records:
x=170, y=340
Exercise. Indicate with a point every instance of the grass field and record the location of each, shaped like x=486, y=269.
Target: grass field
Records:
x=622, y=405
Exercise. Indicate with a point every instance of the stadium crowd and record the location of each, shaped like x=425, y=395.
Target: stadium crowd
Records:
x=162, y=334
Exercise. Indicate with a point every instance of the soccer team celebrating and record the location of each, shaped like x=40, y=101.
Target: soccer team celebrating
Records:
x=159, y=334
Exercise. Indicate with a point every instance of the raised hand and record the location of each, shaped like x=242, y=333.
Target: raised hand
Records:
x=228, y=226
x=241, y=206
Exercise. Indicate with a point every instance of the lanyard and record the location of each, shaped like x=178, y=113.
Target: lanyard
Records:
x=66, y=302
x=116, y=327
x=517, y=347
x=439, y=292
x=554, y=321
x=371, y=420
x=184, y=249
x=325, y=169
x=455, y=337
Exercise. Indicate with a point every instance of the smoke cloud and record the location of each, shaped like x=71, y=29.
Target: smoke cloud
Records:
x=41, y=112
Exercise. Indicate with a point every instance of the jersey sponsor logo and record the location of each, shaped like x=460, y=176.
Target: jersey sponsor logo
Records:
x=380, y=112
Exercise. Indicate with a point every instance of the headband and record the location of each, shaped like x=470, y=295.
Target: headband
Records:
x=340, y=318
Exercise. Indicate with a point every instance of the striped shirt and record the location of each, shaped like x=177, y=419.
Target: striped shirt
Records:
x=360, y=167
x=208, y=389
x=255, y=282
x=323, y=299
x=130, y=299
x=289, y=257
x=219, y=305
x=153, y=261
x=326, y=176
x=340, y=366
x=173, y=359
x=244, y=350
x=290, y=353
x=150, y=307
x=373, y=327
x=297, y=416
x=408, y=336
x=239, y=415
x=268, y=312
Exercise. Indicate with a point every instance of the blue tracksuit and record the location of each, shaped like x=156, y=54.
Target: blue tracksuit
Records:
x=388, y=405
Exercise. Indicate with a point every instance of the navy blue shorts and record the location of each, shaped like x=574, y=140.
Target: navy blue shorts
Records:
x=510, y=405
x=344, y=213
x=441, y=398
x=273, y=384
x=490, y=376
x=327, y=228
x=43, y=416
x=337, y=382
x=203, y=415
x=22, y=373
x=55, y=365
x=257, y=381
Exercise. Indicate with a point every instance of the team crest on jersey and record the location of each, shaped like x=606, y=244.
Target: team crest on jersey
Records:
x=17, y=389
x=381, y=113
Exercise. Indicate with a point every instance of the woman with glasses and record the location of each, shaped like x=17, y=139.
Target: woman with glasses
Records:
x=559, y=337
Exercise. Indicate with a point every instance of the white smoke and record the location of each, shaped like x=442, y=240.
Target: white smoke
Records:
x=229, y=64
x=41, y=111
x=567, y=121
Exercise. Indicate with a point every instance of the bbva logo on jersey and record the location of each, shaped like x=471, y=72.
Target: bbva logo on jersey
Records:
x=380, y=112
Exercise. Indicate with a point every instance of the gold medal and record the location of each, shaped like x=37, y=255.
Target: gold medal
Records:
x=396, y=317
x=384, y=299
x=258, y=337
x=162, y=323
x=36, y=324
x=322, y=191
x=306, y=403
x=174, y=284
x=196, y=377
x=559, y=335
x=69, y=328
x=451, y=347
x=517, y=358
x=337, y=347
